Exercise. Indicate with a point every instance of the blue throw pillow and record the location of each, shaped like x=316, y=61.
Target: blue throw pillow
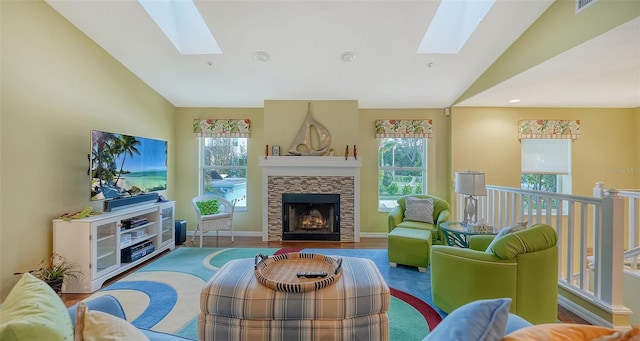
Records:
x=482, y=320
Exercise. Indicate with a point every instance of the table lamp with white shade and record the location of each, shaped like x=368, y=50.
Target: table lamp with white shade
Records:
x=470, y=184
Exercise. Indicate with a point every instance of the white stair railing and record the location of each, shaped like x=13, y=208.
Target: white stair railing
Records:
x=591, y=240
x=632, y=254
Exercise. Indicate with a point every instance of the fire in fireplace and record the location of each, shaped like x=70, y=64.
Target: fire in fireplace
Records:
x=310, y=216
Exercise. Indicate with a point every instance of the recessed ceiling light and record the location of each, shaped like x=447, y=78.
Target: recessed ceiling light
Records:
x=261, y=56
x=348, y=56
x=515, y=100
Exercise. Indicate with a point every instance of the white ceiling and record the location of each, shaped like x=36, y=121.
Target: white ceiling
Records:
x=306, y=38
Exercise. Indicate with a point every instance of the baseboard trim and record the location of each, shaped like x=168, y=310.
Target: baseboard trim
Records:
x=583, y=313
x=374, y=235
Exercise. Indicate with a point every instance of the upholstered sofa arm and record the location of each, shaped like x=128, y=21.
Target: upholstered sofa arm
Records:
x=107, y=304
x=111, y=305
x=444, y=215
x=462, y=275
x=395, y=217
x=480, y=242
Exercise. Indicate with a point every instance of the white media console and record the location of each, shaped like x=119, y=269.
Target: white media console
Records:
x=102, y=246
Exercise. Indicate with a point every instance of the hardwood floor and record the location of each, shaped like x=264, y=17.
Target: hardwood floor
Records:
x=564, y=315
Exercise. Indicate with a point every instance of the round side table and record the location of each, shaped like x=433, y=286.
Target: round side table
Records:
x=458, y=233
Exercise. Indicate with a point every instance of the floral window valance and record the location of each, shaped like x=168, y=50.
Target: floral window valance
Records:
x=404, y=128
x=548, y=129
x=221, y=127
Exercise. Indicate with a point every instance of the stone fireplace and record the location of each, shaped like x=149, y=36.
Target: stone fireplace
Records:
x=327, y=175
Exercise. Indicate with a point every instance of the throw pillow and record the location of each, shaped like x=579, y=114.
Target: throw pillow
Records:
x=208, y=207
x=508, y=229
x=419, y=209
x=100, y=326
x=33, y=311
x=569, y=332
x=482, y=320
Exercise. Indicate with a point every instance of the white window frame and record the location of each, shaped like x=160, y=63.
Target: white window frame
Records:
x=549, y=160
x=387, y=205
x=241, y=203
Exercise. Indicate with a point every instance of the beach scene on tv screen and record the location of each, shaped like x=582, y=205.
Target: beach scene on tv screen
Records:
x=125, y=165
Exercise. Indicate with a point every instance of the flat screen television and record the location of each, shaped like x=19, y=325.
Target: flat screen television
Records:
x=125, y=165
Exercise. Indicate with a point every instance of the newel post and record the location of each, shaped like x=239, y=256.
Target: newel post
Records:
x=610, y=258
x=598, y=190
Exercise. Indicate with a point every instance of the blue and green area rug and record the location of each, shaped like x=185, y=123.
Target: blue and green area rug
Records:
x=165, y=295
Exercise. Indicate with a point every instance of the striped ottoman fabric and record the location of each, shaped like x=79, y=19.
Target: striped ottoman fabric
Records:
x=234, y=306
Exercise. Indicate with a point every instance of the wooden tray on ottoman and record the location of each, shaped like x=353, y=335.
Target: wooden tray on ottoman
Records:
x=280, y=272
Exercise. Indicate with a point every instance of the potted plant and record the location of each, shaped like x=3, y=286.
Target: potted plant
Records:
x=54, y=269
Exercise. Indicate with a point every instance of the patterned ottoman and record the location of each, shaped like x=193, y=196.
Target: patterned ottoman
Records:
x=234, y=306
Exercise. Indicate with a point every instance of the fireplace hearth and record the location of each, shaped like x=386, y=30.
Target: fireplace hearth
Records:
x=310, y=216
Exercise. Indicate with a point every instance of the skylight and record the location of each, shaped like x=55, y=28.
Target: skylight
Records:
x=182, y=23
x=453, y=24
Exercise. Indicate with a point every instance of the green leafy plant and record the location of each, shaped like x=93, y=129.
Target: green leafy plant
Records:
x=407, y=189
x=56, y=267
x=392, y=188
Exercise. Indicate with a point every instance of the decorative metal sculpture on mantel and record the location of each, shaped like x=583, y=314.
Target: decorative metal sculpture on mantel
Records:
x=302, y=144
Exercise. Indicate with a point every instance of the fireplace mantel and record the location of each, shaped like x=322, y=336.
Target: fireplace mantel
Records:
x=285, y=168
x=309, y=165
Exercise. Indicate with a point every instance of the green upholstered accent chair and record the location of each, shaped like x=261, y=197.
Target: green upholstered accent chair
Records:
x=441, y=213
x=521, y=265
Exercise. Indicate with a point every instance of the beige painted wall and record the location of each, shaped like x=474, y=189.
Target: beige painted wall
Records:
x=283, y=120
x=58, y=85
x=485, y=139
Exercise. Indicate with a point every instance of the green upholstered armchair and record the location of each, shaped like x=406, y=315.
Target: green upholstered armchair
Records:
x=521, y=265
x=441, y=213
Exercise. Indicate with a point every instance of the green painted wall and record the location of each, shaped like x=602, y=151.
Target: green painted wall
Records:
x=437, y=163
x=187, y=161
x=57, y=85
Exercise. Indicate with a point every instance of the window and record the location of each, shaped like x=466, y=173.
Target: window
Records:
x=402, y=169
x=546, y=166
x=223, y=169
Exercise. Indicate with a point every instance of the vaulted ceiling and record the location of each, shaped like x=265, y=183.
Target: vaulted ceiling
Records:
x=305, y=41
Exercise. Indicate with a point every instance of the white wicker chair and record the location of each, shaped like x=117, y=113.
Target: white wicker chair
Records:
x=213, y=222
